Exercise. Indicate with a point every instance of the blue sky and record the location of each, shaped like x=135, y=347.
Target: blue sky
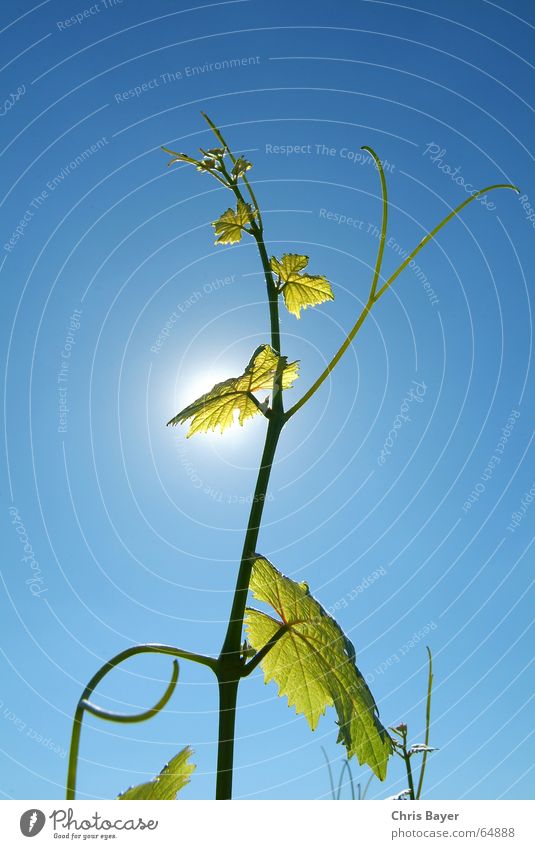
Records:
x=136, y=532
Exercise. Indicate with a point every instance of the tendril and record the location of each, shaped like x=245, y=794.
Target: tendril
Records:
x=84, y=703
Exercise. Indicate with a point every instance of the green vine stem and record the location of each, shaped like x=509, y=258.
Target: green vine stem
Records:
x=85, y=705
x=408, y=766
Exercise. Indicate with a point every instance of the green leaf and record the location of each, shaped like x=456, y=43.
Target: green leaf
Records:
x=230, y=224
x=173, y=777
x=314, y=664
x=216, y=408
x=300, y=290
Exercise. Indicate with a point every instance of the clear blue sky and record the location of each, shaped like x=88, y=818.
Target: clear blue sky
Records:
x=135, y=531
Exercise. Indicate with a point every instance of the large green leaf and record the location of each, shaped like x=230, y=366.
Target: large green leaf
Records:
x=314, y=664
x=173, y=777
x=229, y=225
x=216, y=408
x=300, y=290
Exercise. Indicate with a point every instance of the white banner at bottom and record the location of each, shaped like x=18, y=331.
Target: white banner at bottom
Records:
x=263, y=824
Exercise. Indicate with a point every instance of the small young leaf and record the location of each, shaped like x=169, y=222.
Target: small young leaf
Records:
x=230, y=224
x=173, y=777
x=300, y=290
x=240, y=167
x=218, y=152
x=314, y=664
x=216, y=408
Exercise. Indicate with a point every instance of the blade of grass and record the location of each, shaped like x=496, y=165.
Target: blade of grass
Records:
x=427, y=722
x=331, y=779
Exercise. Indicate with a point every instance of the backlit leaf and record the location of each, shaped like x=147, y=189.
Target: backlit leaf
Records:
x=300, y=290
x=173, y=777
x=216, y=408
x=314, y=664
x=229, y=225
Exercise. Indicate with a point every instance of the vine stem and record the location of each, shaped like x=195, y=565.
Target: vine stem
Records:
x=231, y=667
x=230, y=664
x=407, y=759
